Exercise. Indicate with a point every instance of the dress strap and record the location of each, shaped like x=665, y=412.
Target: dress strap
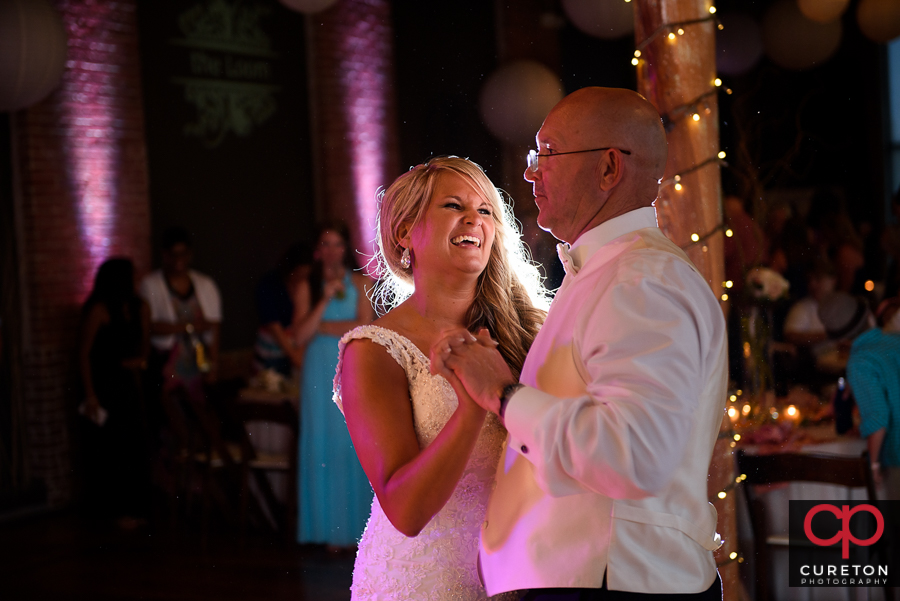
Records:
x=401, y=348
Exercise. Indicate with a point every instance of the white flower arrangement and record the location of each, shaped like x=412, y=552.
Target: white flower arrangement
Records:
x=766, y=284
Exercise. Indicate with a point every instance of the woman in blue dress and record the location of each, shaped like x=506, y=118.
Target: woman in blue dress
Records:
x=334, y=495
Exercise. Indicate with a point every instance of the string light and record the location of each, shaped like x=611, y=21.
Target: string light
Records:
x=729, y=284
x=670, y=27
x=732, y=557
x=677, y=178
x=724, y=297
x=692, y=108
x=729, y=233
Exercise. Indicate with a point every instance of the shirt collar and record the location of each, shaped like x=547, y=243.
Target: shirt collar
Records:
x=592, y=240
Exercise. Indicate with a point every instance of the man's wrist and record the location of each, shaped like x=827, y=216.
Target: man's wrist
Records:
x=506, y=393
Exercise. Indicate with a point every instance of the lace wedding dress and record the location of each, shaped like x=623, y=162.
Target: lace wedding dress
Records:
x=440, y=563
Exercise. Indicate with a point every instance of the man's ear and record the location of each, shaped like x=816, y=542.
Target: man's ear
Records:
x=610, y=170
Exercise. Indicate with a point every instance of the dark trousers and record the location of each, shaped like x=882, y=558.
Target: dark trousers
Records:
x=713, y=593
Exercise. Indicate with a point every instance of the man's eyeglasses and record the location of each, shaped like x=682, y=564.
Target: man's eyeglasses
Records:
x=534, y=157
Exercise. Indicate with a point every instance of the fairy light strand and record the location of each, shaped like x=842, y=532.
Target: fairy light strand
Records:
x=676, y=179
x=685, y=109
x=732, y=557
x=672, y=27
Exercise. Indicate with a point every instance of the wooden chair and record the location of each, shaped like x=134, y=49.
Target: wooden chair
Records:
x=852, y=472
x=259, y=463
x=201, y=454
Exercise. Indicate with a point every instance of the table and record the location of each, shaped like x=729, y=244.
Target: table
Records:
x=270, y=438
x=776, y=501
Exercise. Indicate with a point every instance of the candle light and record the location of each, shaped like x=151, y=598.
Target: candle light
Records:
x=792, y=413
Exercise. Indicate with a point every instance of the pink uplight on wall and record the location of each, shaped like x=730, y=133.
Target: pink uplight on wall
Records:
x=356, y=121
x=364, y=86
x=91, y=123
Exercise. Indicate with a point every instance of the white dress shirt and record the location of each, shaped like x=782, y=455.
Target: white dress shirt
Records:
x=610, y=441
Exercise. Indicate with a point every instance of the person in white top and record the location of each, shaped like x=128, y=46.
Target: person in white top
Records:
x=602, y=493
x=185, y=307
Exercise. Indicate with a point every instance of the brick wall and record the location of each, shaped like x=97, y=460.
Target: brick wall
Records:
x=353, y=111
x=82, y=197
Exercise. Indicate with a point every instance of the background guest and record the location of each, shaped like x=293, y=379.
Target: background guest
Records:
x=185, y=313
x=837, y=239
x=113, y=347
x=845, y=317
x=890, y=243
x=275, y=294
x=333, y=491
x=804, y=330
x=873, y=370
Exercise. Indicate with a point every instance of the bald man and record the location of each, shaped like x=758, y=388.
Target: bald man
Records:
x=601, y=493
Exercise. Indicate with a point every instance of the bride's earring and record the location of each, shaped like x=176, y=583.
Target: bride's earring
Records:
x=405, y=260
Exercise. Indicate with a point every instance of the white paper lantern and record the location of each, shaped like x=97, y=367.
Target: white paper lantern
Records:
x=738, y=45
x=308, y=7
x=607, y=19
x=516, y=98
x=33, y=47
x=793, y=41
x=822, y=11
x=879, y=20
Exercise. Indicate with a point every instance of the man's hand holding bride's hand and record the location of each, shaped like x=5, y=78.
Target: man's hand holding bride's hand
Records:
x=474, y=362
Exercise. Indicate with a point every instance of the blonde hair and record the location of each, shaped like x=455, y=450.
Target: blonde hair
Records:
x=510, y=300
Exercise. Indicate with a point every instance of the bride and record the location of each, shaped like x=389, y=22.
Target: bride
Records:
x=428, y=450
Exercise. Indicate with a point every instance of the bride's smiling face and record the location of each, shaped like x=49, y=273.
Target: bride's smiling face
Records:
x=457, y=230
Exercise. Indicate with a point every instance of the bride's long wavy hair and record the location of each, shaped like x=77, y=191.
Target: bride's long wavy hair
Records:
x=510, y=299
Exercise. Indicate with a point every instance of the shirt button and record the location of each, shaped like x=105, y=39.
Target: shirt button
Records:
x=524, y=449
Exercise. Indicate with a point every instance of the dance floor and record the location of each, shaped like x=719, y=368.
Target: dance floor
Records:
x=58, y=556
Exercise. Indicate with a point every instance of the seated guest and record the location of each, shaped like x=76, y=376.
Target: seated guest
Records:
x=275, y=348
x=845, y=317
x=185, y=313
x=113, y=341
x=802, y=326
x=873, y=370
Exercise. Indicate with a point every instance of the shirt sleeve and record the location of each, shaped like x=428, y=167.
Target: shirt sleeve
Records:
x=870, y=394
x=208, y=295
x=643, y=344
x=797, y=319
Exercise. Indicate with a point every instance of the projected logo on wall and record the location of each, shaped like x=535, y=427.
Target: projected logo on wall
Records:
x=229, y=58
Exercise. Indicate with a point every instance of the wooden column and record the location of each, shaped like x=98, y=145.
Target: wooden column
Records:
x=673, y=73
